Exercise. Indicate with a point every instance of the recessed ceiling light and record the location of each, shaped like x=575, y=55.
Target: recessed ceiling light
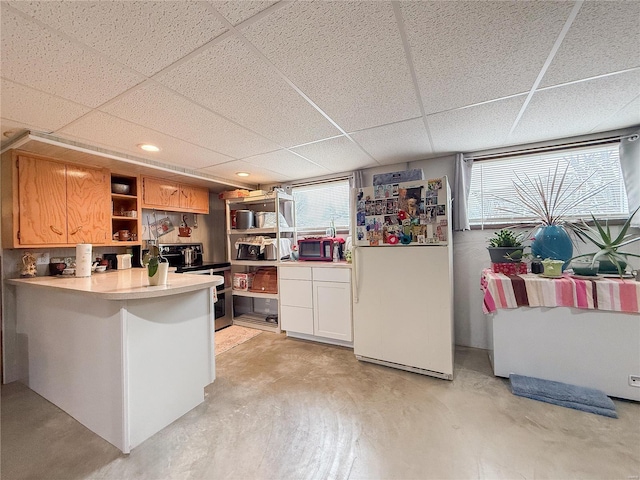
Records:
x=148, y=147
x=242, y=174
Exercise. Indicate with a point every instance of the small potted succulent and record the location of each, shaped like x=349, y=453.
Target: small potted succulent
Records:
x=506, y=246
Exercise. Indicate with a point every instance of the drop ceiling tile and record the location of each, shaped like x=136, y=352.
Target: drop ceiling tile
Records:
x=157, y=107
x=11, y=129
x=113, y=133
x=237, y=12
x=39, y=110
x=34, y=56
x=474, y=128
x=627, y=116
x=258, y=175
x=145, y=36
x=467, y=52
x=604, y=38
x=346, y=56
x=287, y=163
x=400, y=142
x=336, y=154
x=229, y=79
x=552, y=113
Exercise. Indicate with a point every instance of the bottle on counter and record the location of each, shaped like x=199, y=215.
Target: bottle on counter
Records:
x=336, y=252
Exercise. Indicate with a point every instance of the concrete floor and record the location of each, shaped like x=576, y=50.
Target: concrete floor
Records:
x=288, y=409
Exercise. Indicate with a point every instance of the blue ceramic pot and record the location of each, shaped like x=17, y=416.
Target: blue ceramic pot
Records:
x=552, y=241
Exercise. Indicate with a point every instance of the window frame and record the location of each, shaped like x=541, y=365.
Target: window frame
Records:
x=526, y=222
x=340, y=229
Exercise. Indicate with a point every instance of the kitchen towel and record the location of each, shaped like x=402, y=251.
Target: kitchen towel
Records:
x=563, y=394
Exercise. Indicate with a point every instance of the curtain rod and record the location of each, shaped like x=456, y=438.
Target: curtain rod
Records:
x=553, y=148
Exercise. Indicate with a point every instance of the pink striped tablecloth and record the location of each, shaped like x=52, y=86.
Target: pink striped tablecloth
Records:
x=530, y=290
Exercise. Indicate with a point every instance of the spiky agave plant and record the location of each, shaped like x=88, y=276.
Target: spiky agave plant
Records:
x=601, y=237
x=550, y=200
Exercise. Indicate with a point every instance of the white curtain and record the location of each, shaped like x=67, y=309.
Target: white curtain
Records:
x=630, y=165
x=461, y=192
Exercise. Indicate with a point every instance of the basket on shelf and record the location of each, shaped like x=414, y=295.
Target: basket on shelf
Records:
x=265, y=280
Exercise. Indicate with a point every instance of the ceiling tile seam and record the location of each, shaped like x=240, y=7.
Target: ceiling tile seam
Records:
x=409, y=58
x=249, y=163
x=542, y=89
x=613, y=115
x=169, y=135
x=315, y=141
x=588, y=79
x=126, y=158
x=310, y=161
x=260, y=15
x=552, y=53
x=194, y=53
x=397, y=122
x=284, y=77
x=218, y=114
x=46, y=93
x=74, y=41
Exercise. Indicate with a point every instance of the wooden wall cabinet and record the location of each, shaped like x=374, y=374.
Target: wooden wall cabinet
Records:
x=174, y=196
x=54, y=203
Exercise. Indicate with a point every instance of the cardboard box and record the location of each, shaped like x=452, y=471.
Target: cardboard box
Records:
x=509, y=268
x=239, y=193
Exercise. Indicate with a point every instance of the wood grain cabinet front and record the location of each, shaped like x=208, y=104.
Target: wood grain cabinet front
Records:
x=59, y=204
x=174, y=196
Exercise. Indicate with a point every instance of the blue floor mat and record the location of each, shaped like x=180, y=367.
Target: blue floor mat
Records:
x=563, y=394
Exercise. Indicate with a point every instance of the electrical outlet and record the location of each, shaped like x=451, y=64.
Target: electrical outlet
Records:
x=42, y=259
x=634, y=380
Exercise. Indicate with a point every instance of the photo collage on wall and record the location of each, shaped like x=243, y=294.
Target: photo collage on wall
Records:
x=404, y=213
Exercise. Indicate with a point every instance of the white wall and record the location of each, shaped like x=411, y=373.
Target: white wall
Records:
x=470, y=257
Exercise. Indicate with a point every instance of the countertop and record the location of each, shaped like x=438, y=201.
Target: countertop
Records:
x=312, y=263
x=130, y=284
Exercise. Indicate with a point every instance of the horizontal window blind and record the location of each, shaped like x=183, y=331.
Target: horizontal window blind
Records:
x=492, y=182
x=320, y=204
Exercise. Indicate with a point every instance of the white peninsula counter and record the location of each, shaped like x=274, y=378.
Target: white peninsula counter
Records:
x=123, y=358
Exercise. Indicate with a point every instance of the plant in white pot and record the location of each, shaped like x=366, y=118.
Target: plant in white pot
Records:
x=610, y=258
x=550, y=200
x=157, y=268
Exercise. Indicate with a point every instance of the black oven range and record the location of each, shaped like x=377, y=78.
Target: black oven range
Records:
x=188, y=259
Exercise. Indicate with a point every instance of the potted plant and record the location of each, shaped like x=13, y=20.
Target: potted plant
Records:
x=506, y=246
x=157, y=268
x=550, y=200
x=611, y=259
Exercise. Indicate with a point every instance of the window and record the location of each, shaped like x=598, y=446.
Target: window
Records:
x=492, y=182
x=317, y=206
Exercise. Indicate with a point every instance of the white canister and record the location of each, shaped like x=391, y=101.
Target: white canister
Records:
x=83, y=260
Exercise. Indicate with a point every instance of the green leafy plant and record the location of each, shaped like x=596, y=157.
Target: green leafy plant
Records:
x=600, y=235
x=154, y=260
x=506, y=238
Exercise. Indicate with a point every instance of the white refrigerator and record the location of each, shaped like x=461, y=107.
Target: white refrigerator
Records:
x=402, y=264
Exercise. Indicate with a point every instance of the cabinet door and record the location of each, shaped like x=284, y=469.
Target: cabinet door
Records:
x=332, y=310
x=160, y=193
x=296, y=319
x=194, y=199
x=42, y=194
x=296, y=293
x=88, y=213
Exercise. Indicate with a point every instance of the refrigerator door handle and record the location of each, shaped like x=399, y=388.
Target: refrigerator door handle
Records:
x=354, y=256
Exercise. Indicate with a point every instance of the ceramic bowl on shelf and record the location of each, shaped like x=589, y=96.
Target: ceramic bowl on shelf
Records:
x=120, y=188
x=101, y=268
x=69, y=271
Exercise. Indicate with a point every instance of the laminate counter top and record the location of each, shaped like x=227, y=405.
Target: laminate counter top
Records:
x=314, y=263
x=130, y=284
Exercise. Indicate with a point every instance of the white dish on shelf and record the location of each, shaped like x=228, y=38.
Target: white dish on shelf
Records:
x=586, y=277
x=615, y=275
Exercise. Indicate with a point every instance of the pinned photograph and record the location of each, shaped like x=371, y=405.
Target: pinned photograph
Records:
x=381, y=207
x=360, y=218
x=434, y=184
x=441, y=210
x=430, y=213
x=394, y=189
